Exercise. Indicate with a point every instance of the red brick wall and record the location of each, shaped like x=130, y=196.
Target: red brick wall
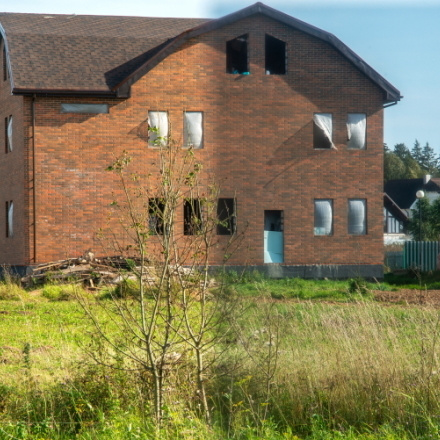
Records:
x=13, y=180
x=258, y=144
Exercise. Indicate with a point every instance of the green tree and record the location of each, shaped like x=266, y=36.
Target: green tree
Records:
x=416, y=151
x=429, y=160
x=394, y=168
x=424, y=224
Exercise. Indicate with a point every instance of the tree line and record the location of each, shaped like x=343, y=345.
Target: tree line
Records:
x=405, y=163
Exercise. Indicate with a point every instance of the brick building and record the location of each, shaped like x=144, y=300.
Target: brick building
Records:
x=286, y=117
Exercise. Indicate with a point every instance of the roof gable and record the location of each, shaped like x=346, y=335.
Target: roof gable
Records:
x=101, y=54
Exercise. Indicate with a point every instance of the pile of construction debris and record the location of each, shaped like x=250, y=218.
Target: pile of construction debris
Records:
x=87, y=270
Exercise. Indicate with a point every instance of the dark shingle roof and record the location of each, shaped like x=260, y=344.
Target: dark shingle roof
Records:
x=403, y=191
x=80, y=52
x=106, y=54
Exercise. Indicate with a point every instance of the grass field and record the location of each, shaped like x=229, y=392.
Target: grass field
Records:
x=298, y=360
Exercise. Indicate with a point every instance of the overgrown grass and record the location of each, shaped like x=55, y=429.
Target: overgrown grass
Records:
x=346, y=368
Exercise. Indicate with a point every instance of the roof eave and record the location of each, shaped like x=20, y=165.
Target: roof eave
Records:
x=69, y=92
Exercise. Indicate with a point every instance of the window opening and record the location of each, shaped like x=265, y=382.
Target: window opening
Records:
x=84, y=108
x=193, y=129
x=356, y=130
x=322, y=130
x=357, y=216
x=8, y=134
x=156, y=210
x=5, y=64
x=237, y=55
x=158, y=128
x=192, y=216
x=323, y=217
x=226, y=217
x=275, y=56
x=9, y=219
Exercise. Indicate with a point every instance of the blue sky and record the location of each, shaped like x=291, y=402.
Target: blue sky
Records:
x=398, y=38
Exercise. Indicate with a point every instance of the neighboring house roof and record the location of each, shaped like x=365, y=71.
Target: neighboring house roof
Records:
x=394, y=209
x=105, y=55
x=403, y=191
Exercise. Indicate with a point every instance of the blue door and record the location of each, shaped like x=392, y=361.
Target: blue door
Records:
x=273, y=237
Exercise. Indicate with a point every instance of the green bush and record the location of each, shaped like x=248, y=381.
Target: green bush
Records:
x=61, y=292
x=11, y=292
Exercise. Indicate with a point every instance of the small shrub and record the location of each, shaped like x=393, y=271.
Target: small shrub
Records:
x=127, y=288
x=11, y=292
x=358, y=285
x=60, y=292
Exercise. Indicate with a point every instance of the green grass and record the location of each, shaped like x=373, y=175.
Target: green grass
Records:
x=331, y=364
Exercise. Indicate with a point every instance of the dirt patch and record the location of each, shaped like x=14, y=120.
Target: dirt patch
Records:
x=410, y=296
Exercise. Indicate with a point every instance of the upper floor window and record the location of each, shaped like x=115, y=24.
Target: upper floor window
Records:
x=84, y=108
x=322, y=130
x=357, y=216
x=8, y=134
x=275, y=51
x=193, y=129
x=356, y=130
x=237, y=55
x=226, y=216
x=323, y=217
x=158, y=128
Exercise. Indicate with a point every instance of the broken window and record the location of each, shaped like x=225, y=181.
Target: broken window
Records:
x=322, y=130
x=193, y=129
x=192, y=216
x=237, y=55
x=226, y=217
x=8, y=134
x=275, y=56
x=9, y=219
x=156, y=210
x=357, y=216
x=323, y=217
x=356, y=130
x=84, y=108
x=158, y=128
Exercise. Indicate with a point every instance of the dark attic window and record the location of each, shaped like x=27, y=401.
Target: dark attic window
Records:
x=275, y=56
x=237, y=55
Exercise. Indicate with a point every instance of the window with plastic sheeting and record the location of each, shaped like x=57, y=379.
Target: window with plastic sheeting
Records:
x=193, y=129
x=226, y=217
x=322, y=130
x=356, y=130
x=323, y=217
x=9, y=219
x=158, y=125
x=84, y=108
x=192, y=216
x=8, y=134
x=275, y=56
x=357, y=216
x=237, y=55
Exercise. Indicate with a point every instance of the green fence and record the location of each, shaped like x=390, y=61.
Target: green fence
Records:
x=421, y=255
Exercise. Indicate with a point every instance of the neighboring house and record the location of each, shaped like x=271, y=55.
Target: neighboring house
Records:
x=399, y=201
x=289, y=120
